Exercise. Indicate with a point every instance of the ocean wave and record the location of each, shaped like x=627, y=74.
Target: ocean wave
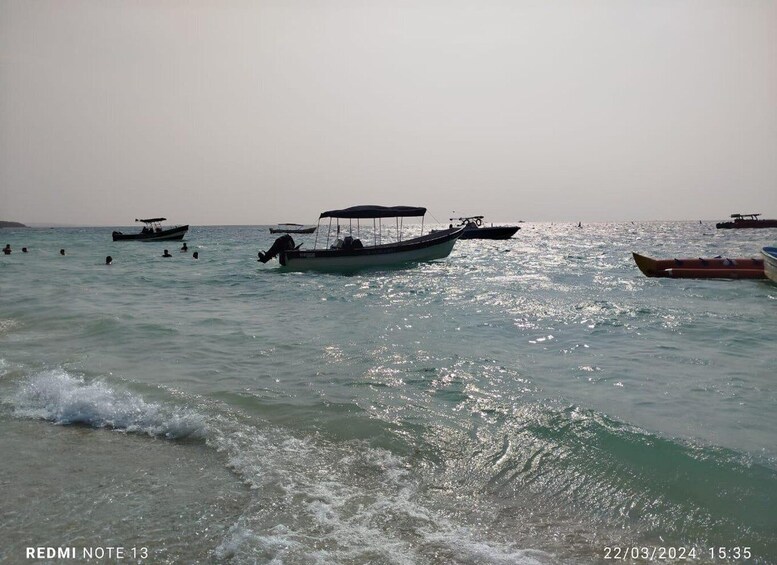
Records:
x=59, y=397
x=325, y=503
x=578, y=458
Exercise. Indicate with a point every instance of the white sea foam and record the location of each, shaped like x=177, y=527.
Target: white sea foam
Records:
x=273, y=544
x=324, y=503
x=62, y=398
x=7, y=324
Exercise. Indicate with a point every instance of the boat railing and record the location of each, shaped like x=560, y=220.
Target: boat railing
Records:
x=356, y=228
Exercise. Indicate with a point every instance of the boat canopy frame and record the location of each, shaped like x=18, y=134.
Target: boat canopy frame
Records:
x=464, y=220
x=370, y=212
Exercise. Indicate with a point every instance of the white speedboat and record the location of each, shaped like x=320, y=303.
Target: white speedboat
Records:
x=770, y=262
x=350, y=253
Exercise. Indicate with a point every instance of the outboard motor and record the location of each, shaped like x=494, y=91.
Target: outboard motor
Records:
x=283, y=243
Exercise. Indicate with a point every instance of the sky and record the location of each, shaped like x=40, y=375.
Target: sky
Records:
x=261, y=112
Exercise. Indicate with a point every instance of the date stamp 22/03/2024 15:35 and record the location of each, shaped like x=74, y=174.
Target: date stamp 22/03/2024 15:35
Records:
x=679, y=553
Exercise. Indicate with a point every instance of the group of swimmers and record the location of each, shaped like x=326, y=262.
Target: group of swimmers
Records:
x=108, y=260
x=184, y=249
x=7, y=250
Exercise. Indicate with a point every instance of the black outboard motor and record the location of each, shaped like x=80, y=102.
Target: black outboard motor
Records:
x=283, y=243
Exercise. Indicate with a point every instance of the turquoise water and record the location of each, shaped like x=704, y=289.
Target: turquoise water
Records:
x=535, y=400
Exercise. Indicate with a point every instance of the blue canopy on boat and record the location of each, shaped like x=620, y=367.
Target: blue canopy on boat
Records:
x=375, y=212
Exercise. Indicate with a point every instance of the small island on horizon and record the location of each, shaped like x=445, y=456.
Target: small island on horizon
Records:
x=4, y=224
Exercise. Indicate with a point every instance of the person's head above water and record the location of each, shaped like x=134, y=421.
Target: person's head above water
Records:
x=108, y=260
x=196, y=255
x=61, y=251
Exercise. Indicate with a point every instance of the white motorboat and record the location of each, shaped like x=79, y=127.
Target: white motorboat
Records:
x=350, y=253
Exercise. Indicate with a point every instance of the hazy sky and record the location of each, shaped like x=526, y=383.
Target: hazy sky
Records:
x=238, y=112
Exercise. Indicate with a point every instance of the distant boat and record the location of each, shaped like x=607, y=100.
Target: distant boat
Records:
x=474, y=229
x=153, y=231
x=746, y=221
x=292, y=228
x=348, y=254
x=701, y=268
x=770, y=262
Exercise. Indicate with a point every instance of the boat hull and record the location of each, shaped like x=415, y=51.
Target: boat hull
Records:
x=749, y=224
x=436, y=245
x=492, y=232
x=701, y=268
x=770, y=262
x=172, y=234
x=300, y=230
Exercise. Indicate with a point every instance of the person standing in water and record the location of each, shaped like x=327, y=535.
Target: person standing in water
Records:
x=166, y=254
x=184, y=248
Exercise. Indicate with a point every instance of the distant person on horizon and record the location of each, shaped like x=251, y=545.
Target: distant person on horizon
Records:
x=195, y=255
x=7, y=249
x=184, y=248
x=166, y=254
x=109, y=260
x=61, y=251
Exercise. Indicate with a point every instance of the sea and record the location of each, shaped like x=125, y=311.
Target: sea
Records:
x=530, y=401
